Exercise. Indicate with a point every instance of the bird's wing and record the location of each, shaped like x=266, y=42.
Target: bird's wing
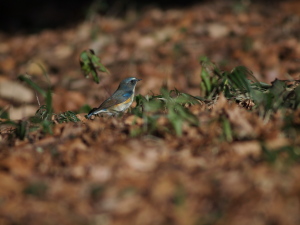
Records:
x=105, y=105
x=110, y=102
x=117, y=98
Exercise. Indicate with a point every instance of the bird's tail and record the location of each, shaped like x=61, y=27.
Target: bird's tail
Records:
x=92, y=112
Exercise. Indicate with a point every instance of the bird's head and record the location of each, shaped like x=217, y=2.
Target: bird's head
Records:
x=129, y=82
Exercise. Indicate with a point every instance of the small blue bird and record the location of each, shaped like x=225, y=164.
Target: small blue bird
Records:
x=120, y=100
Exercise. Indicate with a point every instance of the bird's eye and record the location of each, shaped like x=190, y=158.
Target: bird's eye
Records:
x=132, y=81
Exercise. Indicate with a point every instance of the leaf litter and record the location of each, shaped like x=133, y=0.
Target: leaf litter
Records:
x=224, y=153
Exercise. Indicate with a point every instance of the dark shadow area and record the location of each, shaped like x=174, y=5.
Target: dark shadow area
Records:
x=33, y=15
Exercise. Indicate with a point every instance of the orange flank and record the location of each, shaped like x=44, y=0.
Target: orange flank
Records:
x=120, y=104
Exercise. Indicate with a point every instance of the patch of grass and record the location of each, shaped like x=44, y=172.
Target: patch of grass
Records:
x=240, y=85
x=44, y=116
x=169, y=104
x=237, y=85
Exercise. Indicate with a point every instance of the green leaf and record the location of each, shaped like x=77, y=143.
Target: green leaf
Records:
x=49, y=102
x=206, y=80
x=95, y=76
x=297, y=97
x=32, y=84
x=227, y=130
x=68, y=116
x=153, y=105
x=21, y=129
x=3, y=113
x=186, y=115
x=176, y=121
x=239, y=77
x=90, y=64
x=278, y=87
x=40, y=114
x=47, y=126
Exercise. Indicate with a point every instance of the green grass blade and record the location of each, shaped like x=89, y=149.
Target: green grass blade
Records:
x=32, y=84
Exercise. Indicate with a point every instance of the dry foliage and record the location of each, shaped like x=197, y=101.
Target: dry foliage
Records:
x=228, y=164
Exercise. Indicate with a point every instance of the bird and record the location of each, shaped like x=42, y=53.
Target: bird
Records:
x=120, y=100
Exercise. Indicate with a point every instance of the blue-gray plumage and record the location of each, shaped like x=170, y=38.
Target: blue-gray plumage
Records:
x=120, y=100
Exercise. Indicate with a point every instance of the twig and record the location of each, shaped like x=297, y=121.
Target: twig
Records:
x=37, y=98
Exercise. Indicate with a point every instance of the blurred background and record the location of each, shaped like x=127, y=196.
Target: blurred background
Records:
x=158, y=41
x=233, y=169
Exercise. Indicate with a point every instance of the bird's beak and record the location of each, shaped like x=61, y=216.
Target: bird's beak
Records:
x=138, y=79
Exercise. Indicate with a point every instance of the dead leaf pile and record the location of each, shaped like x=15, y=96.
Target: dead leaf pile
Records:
x=233, y=168
x=95, y=172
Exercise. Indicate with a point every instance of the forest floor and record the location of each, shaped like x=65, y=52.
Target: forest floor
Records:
x=222, y=163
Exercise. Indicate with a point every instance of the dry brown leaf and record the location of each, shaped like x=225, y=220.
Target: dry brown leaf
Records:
x=247, y=148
